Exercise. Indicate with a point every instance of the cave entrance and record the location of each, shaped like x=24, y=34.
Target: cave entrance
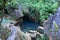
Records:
x=25, y=18
x=28, y=24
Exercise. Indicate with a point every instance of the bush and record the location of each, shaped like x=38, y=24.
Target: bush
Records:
x=44, y=8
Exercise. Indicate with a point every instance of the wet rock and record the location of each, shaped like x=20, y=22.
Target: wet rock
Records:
x=33, y=19
x=49, y=27
x=32, y=34
x=19, y=21
x=40, y=29
x=17, y=34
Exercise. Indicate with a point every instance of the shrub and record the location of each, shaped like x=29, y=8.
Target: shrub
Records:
x=44, y=8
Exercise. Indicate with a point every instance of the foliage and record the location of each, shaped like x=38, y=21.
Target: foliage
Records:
x=44, y=7
x=12, y=3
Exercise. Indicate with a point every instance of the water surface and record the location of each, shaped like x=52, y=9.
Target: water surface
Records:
x=29, y=25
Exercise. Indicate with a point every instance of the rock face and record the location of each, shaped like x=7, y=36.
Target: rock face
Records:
x=15, y=12
x=32, y=34
x=17, y=34
x=40, y=29
x=14, y=33
x=49, y=27
x=34, y=19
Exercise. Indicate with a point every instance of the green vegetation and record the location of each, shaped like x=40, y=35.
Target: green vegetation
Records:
x=42, y=7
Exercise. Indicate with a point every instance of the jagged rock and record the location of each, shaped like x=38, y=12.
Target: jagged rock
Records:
x=19, y=21
x=40, y=29
x=15, y=12
x=14, y=33
x=49, y=27
x=33, y=19
x=32, y=34
x=17, y=34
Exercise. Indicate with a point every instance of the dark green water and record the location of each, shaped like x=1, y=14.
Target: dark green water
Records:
x=29, y=25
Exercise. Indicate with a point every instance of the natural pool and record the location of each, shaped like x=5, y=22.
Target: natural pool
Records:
x=29, y=25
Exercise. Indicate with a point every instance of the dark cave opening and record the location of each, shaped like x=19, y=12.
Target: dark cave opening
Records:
x=27, y=24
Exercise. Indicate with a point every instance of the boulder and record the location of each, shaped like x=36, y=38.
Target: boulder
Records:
x=40, y=29
x=32, y=34
x=50, y=28
x=19, y=21
x=33, y=19
x=17, y=34
x=15, y=12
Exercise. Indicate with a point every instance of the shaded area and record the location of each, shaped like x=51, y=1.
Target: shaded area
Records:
x=28, y=24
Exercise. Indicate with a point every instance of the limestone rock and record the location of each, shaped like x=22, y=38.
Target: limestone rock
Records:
x=49, y=27
x=40, y=29
x=32, y=34
x=16, y=13
x=17, y=34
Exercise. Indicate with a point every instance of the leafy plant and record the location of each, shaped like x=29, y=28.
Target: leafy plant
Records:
x=44, y=7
